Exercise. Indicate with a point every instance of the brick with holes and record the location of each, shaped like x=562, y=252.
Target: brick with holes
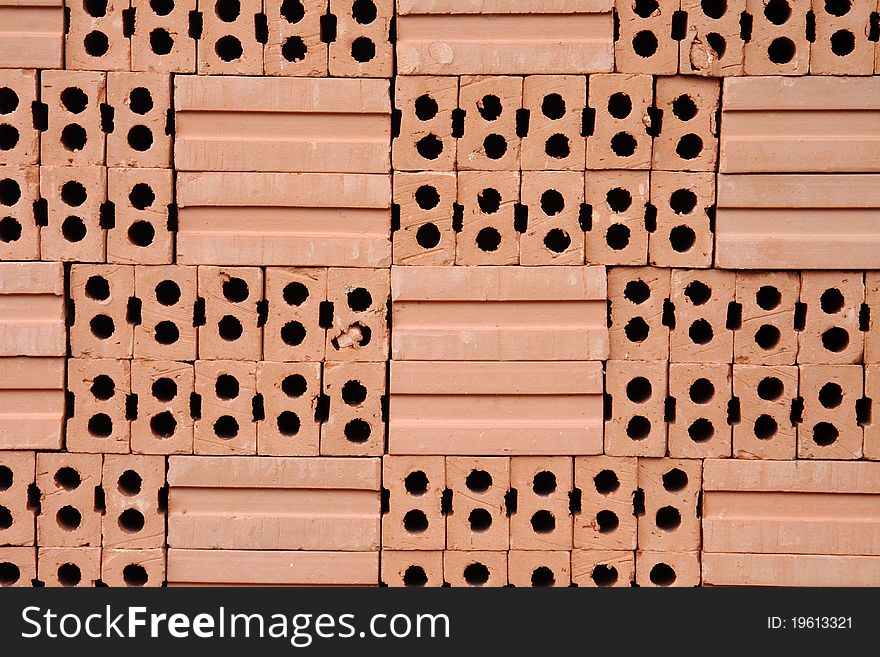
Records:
x=100, y=325
x=477, y=568
x=478, y=520
x=356, y=424
x=637, y=296
x=602, y=568
x=359, y=331
x=713, y=43
x=619, y=138
x=663, y=569
x=778, y=44
x=871, y=317
x=671, y=487
x=414, y=519
x=290, y=393
x=490, y=141
x=293, y=330
x=141, y=105
x=229, y=44
x=18, y=566
x=17, y=475
x=637, y=394
x=226, y=425
x=143, y=230
x=414, y=568
x=231, y=300
x=702, y=393
x=295, y=46
x=18, y=134
x=870, y=419
x=132, y=568
x=69, y=566
x=133, y=488
x=556, y=106
x=168, y=295
x=98, y=419
x=69, y=486
x=688, y=138
x=646, y=41
x=74, y=134
x=96, y=36
x=164, y=423
x=426, y=106
x=606, y=520
x=842, y=46
x=19, y=232
x=363, y=39
x=830, y=427
x=488, y=234
x=542, y=519
x=426, y=206
x=832, y=332
x=765, y=394
x=32, y=401
x=553, y=235
x=616, y=224
x=539, y=568
x=701, y=300
x=766, y=333
x=74, y=228
x=162, y=41
x=683, y=202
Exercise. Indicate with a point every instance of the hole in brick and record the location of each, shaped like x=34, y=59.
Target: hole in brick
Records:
x=552, y=202
x=67, y=478
x=606, y=482
x=689, y=147
x=489, y=200
x=767, y=337
x=781, y=50
x=765, y=427
x=684, y=108
x=226, y=427
x=68, y=518
x=226, y=387
x=164, y=389
x=701, y=391
x=5, y=518
x=478, y=481
x=701, y=332
x=73, y=229
x=103, y=387
x=495, y=146
x=553, y=106
x=364, y=11
x=141, y=196
x=292, y=11
x=295, y=294
x=557, y=240
x=102, y=327
x=428, y=198
x=662, y=574
x=140, y=138
x=480, y=520
x=134, y=575
x=558, y=146
x=74, y=100
x=768, y=297
x=69, y=574
x=141, y=233
x=668, y=518
x=294, y=385
x=838, y=7
x=619, y=105
x=95, y=8
x=604, y=575
x=543, y=576
x=9, y=573
x=770, y=388
x=96, y=43
x=230, y=328
x=682, y=239
x=10, y=230
x=636, y=330
x=544, y=483
x=293, y=333
x=831, y=395
x=714, y=8
x=288, y=423
x=835, y=339
x=645, y=8
x=228, y=48
x=415, y=521
x=825, y=434
x=100, y=425
x=227, y=10
x=426, y=107
x=6, y=478
x=617, y=237
x=167, y=293
x=683, y=201
x=359, y=299
x=543, y=522
x=8, y=100
x=488, y=239
x=645, y=44
x=607, y=521
x=129, y=483
x=354, y=393
x=8, y=137
x=675, y=480
x=429, y=147
x=73, y=137
x=416, y=483
x=777, y=11
x=294, y=49
x=140, y=100
x=166, y=333
x=698, y=292
x=357, y=431
x=490, y=107
x=428, y=236
x=832, y=301
x=718, y=45
x=637, y=291
x=131, y=521
x=638, y=427
x=10, y=191
x=476, y=574
x=623, y=144
x=363, y=49
x=701, y=430
x=618, y=199
x=161, y=42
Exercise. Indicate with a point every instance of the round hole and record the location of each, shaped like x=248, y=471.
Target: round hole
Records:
x=415, y=521
x=294, y=49
x=639, y=390
x=645, y=43
x=129, y=483
x=617, y=237
x=825, y=434
x=10, y=230
x=544, y=483
x=619, y=105
x=489, y=200
x=141, y=233
x=5, y=518
x=770, y=388
x=701, y=391
x=495, y=146
x=684, y=107
x=638, y=427
x=607, y=521
x=714, y=8
x=476, y=574
x=683, y=201
x=543, y=522
x=162, y=7
x=542, y=576
x=717, y=43
x=74, y=100
x=768, y=297
x=689, y=147
x=636, y=330
x=95, y=8
x=415, y=576
x=488, y=239
x=835, y=339
x=357, y=431
x=604, y=575
x=103, y=387
x=777, y=11
x=68, y=518
x=163, y=425
x=781, y=50
x=227, y=10
x=618, y=199
x=67, y=478
x=354, y=393
x=73, y=229
x=9, y=573
x=428, y=198
x=701, y=430
x=426, y=107
x=606, y=482
x=294, y=385
x=140, y=138
x=637, y=291
x=100, y=425
x=295, y=294
x=69, y=574
x=363, y=49
x=675, y=480
x=646, y=8
x=838, y=7
x=552, y=202
x=164, y=389
x=553, y=107
x=10, y=191
x=668, y=518
x=416, y=483
x=767, y=337
x=131, y=521
x=623, y=144
x=288, y=423
x=558, y=146
x=359, y=299
x=135, y=575
x=167, y=293
x=765, y=427
x=832, y=301
x=480, y=520
x=141, y=196
x=292, y=11
x=8, y=100
x=682, y=239
x=226, y=387
x=557, y=240
x=161, y=42
x=428, y=236
x=429, y=147
x=700, y=332
x=363, y=11
x=6, y=478
x=140, y=100
x=229, y=328
x=228, y=48
x=8, y=137
x=478, y=481
x=102, y=327
x=662, y=575
x=490, y=107
x=293, y=334
x=831, y=395
x=226, y=427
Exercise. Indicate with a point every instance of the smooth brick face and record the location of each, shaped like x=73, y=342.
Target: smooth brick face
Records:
x=231, y=328
x=479, y=568
x=293, y=331
x=362, y=47
x=766, y=334
x=161, y=41
x=490, y=141
x=164, y=424
x=831, y=332
x=688, y=140
x=414, y=568
x=765, y=395
x=132, y=488
x=556, y=105
x=606, y=520
x=872, y=428
x=74, y=135
x=17, y=473
x=101, y=295
x=553, y=234
x=542, y=519
x=414, y=520
x=355, y=425
x=18, y=566
x=712, y=45
x=779, y=44
x=478, y=520
x=701, y=301
x=425, y=141
x=602, y=568
x=68, y=484
x=21, y=139
x=671, y=488
x=229, y=45
x=295, y=46
x=616, y=231
x=646, y=44
x=142, y=201
x=95, y=39
x=98, y=421
x=539, y=568
x=290, y=394
x=168, y=296
x=638, y=296
x=426, y=206
x=488, y=233
x=19, y=232
x=667, y=569
x=132, y=568
x=841, y=46
x=829, y=428
x=702, y=394
x=620, y=139
x=637, y=426
x=872, y=336
x=227, y=390
x=683, y=202
x=74, y=198
x=141, y=103
x=360, y=323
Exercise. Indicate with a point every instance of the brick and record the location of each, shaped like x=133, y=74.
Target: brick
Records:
x=132, y=489
x=602, y=568
x=831, y=331
x=231, y=329
x=293, y=330
x=74, y=208
x=142, y=201
x=542, y=520
x=638, y=296
x=68, y=486
x=619, y=139
x=490, y=141
x=355, y=425
x=168, y=295
x=476, y=568
x=164, y=424
x=161, y=42
x=645, y=43
x=19, y=139
x=617, y=232
x=69, y=566
x=553, y=234
x=872, y=427
x=688, y=140
x=683, y=235
x=637, y=394
x=228, y=44
x=779, y=43
x=830, y=428
x=426, y=203
x=141, y=105
x=713, y=45
x=702, y=394
x=765, y=395
x=100, y=294
x=32, y=321
x=478, y=520
x=133, y=568
x=426, y=106
x=39, y=40
x=18, y=566
x=765, y=335
x=295, y=46
x=32, y=412
x=412, y=568
x=74, y=134
x=95, y=38
x=359, y=331
x=671, y=497
x=679, y=569
x=872, y=335
x=98, y=421
x=556, y=106
x=17, y=520
x=539, y=568
x=826, y=477
x=226, y=424
x=842, y=46
x=701, y=300
x=789, y=570
x=488, y=234
x=363, y=39
x=290, y=393
x=606, y=520
x=414, y=518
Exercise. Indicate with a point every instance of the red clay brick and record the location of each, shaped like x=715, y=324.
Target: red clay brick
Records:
x=226, y=424
x=413, y=568
x=488, y=234
x=362, y=47
x=360, y=314
x=101, y=296
x=713, y=44
x=293, y=330
x=477, y=568
x=355, y=426
x=18, y=566
x=478, y=520
x=22, y=140
x=831, y=332
x=679, y=569
x=74, y=135
x=553, y=234
x=539, y=568
x=295, y=46
x=95, y=38
x=765, y=429
x=606, y=520
x=74, y=198
x=426, y=205
x=830, y=429
x=672, y=491
x=228, y=44
x=141, y=104
x=637, y=425
x=231, y=329
x=290, y=396
x=602, y=568
x=33, y=309
x=620, y=139
x=683, y=201
x=556, y=105
x=69, y=566
x=766, y=335
x=542, y=520
x=68, y=486
x=688, y=140
x=701, y=300
x=161, y=42
x=702, y=393
x=32, y=413
x=133, y=568
x=164, y=424
x=17, y=522
x=425, y=141
x=638, y=295
x=97, y=418
x=38, y=41
x=132, y=490
x=168, y=296
x=645, y=43
x=414, y=520
x=616, y=230
x=779, y=43
x=490, y=141
x=142, y=200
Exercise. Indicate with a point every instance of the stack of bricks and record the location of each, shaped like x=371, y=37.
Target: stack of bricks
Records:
x=422, y=293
